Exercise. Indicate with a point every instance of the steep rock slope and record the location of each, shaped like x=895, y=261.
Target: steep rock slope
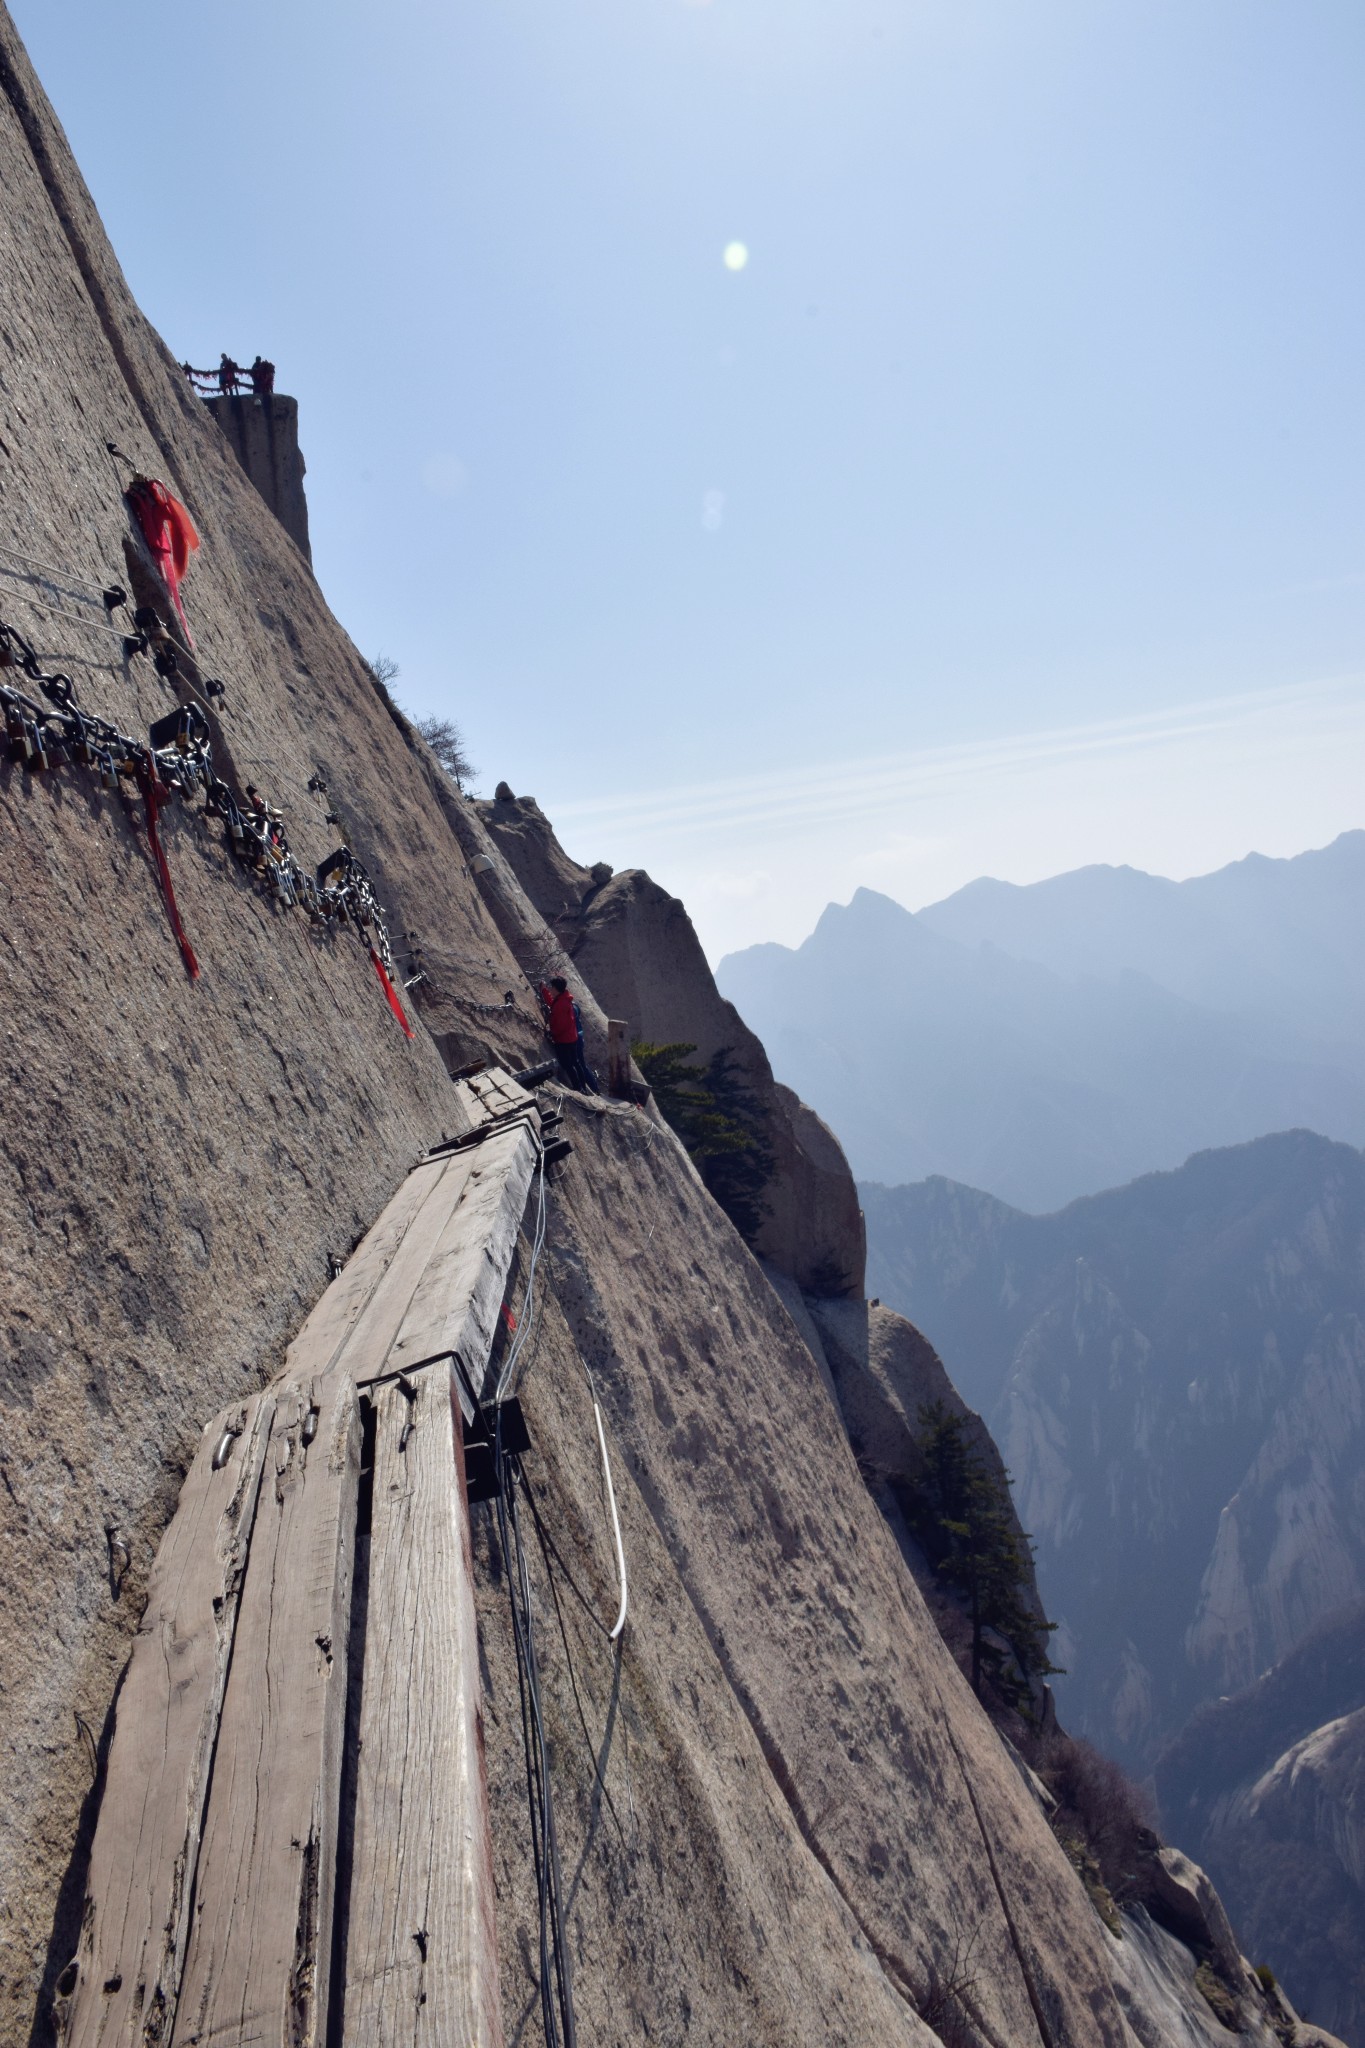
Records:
x=635, y=947
x=1175, y=1373
x=929, y=1055
x=793, y=1813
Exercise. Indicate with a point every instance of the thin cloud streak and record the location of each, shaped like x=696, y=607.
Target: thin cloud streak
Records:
x=787, y=798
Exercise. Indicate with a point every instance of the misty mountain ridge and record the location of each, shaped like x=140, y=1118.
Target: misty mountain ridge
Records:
x=1050, y=1040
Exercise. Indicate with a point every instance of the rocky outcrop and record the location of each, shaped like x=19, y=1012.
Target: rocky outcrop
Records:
x=634, y=947
x=263, y=433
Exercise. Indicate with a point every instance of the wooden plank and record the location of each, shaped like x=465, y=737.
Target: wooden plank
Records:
x=618, y=1059
x=421, y=1946
x=258, y=1962
x=146, y=1846
x=331, y=1323
x=349, y=1339
x=456, y=1307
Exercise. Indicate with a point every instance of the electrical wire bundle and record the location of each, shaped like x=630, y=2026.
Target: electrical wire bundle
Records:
x=176, y=760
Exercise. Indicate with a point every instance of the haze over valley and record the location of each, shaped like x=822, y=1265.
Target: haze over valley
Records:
x=1048, y=1041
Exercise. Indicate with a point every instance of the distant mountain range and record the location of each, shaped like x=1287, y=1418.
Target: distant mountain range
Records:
x=1048, y=1041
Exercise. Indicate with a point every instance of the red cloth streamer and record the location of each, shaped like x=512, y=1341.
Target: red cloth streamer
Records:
x=509, y=1319
x=391, y=993
x=153, y=791
x=168, y=531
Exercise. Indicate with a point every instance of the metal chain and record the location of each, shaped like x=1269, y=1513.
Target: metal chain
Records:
x=42, y=736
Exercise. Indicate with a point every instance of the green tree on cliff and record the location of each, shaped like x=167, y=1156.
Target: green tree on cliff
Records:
x=721, y=1123
x=963, y=1517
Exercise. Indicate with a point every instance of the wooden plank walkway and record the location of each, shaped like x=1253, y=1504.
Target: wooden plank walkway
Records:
x=420, y=1885
x=225, y=1817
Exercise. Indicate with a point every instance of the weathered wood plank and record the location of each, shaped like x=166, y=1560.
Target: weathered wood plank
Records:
x=350, y=1340
x=618, y=1059
x=421, y=1947
x=456, y=1306
x=332, y=1320
x=257, y=1967
x=494, y=1094
x=146, y=1846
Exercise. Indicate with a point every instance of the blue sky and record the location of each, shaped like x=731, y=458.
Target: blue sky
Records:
x=1004, y=512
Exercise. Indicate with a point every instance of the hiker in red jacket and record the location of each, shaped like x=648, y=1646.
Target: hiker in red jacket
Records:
x=563, y=1029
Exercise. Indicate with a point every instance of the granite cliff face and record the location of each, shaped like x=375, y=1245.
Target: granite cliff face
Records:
x=634, y=946
x=786, y=1818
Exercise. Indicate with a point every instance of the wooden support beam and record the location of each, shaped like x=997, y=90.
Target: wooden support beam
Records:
x=146, y=1849
x=258, y=1965
x=618, y=1060
x=421, y=1945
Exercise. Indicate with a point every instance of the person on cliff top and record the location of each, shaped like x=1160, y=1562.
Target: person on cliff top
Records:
x=262, y=377
x=228, y=373
x=562, y=1025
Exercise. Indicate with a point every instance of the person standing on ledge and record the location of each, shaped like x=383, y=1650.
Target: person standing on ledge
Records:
x=563, y=1029
x=262, y=377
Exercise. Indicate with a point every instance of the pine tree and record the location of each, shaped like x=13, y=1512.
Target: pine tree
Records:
x=964, y=1519
x=721, y=1123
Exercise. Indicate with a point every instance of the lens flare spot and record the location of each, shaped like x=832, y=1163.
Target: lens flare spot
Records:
x=736, y=256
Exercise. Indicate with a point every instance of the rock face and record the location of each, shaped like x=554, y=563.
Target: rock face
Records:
x=783, y=1817
x=633, y=944
x=263, y=433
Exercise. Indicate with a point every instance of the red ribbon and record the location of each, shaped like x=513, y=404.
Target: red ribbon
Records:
x=152, y=793
x=391, y=993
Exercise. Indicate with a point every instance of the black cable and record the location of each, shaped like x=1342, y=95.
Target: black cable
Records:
x=556, y=1982
x=555, y=1887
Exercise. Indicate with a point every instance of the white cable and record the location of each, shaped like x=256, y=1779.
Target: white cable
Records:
x=91, y=625
x=47, y=569
x=615, y=1524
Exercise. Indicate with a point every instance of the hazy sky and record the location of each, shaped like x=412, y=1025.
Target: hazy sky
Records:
x=1003, y=512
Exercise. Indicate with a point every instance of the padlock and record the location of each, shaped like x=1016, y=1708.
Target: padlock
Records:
x=341, y=860
x=183, y=729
